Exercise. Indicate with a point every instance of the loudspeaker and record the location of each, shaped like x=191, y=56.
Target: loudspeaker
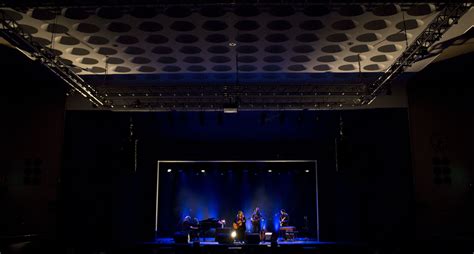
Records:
x=223, y=235
x=181, y=237
x=253, y=238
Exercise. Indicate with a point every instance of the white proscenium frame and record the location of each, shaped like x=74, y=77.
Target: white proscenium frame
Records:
x=238, y=161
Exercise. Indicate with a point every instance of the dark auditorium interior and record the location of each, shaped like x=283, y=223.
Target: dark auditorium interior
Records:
x=227, y=126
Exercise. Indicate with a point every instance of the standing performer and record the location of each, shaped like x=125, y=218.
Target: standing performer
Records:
x=284, y=218
x=256, y=221
x=239, y=226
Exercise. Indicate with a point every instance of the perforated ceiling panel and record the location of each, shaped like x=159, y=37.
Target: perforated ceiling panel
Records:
x=219, y=39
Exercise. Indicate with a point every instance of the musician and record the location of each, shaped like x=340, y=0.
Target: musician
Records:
x=256, y=219
x=191, y=226
x=284, y=218
x=239, y=226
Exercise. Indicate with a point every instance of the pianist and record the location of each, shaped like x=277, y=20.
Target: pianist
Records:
x=191, y=227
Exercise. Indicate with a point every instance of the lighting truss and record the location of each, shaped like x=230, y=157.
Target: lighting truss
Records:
x=448, y=16
x=12, y=32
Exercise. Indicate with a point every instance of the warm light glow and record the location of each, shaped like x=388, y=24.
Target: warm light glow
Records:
x=233, y=234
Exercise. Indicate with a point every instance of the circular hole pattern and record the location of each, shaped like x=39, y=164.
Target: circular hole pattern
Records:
x=247, y=68
x=307, y=37
x=78, y=51
x=332, y=48
x=143, y=12
x=214, y=25
x=377, y=24
x=96, y=69
x=354, y=58
x=421, y=10
x=338, y=37
x=162, y=50
x=219, y=59
x=327, y=59
x=247, y=38
x=193, y=59
x=55, y=28
x=247, y=11
x=381, y=58
x=42, y=14
x=106, y=51
x=387, y=10
x=87, y=28
x=134, y=50
x=373, y=67
x=41, y=41
x=389, y=48
x=196, y=68
x=316, y=10
x=312, y=25
x=347, y=67
x=275, y=49
x=300, y=59
x=247, y=25
x=303, y=49
x=351, y=10
x=28, y=29
x=279, y=25
x=189, y=50
x=114, y=60
x=122, y=69
x=127, y=39
x=157, y=39
x=322, y=67
x=212, y=11
x=150, y=26
x=409, y=24
x=217, y=38
x=186, y=38
x=273, y=59
x=171, y=68
x=282, y=11
x=345, y=24
x=140, y=60
x=272, y=67
x=182, y=26
x=75, y=13
x=13, y=15
x=177, y=12
x=67, y=40
x=66, y=61
x=109, y=13
x=361, y=48
x=276, y=38
x=167, y=60
x=118, y=27
x=369, y=37
x=247, y=49
x=221, y=68
x=397, y=37
x=296, y=67
x=88, y=60
x=247, y=59
x=146, y=69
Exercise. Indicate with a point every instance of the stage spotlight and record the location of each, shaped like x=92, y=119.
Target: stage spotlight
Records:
x=233, y=234
x=203, y=171
x=269, y=171
x=169, y=170
x=307, y=171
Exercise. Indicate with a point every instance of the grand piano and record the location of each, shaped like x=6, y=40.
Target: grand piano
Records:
x=205, y=226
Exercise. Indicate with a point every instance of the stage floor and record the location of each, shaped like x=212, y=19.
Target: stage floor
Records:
x=211, y=241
